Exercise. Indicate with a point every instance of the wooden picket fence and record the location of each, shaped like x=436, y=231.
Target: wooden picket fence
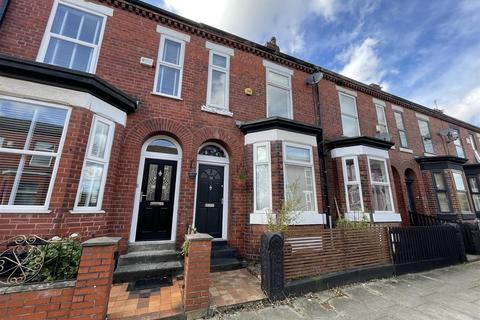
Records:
x=317, y=251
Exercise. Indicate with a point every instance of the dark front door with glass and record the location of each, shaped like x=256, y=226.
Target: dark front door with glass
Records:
x=209, y=207
x=156, y=200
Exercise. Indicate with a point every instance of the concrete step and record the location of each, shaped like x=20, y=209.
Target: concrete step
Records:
x=226, y=264
x=151, y=256
x=145, y=246
x=223, y=253
x=135, y=272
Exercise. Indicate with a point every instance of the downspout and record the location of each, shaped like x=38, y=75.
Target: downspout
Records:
x=313, y=81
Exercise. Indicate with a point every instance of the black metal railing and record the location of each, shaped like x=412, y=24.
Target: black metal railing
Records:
x=419, y=219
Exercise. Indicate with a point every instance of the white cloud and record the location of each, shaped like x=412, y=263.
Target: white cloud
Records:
x=468, y=108
x=363, y=64
x=258, y=20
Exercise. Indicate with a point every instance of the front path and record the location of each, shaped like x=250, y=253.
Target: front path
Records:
x=448, y=293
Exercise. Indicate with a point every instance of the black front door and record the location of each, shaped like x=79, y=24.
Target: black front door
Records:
x=209, y=207
x=156, y=200
x=411, y=195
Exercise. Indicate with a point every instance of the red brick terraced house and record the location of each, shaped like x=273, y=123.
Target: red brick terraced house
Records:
x=119, y=118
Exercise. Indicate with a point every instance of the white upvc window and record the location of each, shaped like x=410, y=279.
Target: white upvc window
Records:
x=33, y=136
x=348, y=108
x=169, y=73
x=74, y=35
x=381, y=119
x=95, y=166
x=458, y=145
x=402, y=131
x=262, y=177
x=473, y=143
x=299, y=176
x=218, y=80
x=279, y=91
x=426, y=136
x=462, y=195
x=381, y=189
x=353, y=186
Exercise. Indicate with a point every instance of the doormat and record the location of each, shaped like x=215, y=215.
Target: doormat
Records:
x=152, y=283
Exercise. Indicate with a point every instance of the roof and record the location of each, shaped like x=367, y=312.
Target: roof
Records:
x=214, y=34
x=357, y=141
x=66, y=78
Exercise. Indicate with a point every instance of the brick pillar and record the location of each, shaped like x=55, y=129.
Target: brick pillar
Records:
x=94, y=279
x=196, y=296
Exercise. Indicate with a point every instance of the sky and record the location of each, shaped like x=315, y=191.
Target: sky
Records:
x=426, y=51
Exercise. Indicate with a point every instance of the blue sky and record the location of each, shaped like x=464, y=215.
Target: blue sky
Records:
x=424, y=51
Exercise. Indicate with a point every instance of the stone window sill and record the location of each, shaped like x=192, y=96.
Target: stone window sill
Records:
x=86, y=211
x=304, y=218
x=220, y=111
x=166, y=96
x=405, y=150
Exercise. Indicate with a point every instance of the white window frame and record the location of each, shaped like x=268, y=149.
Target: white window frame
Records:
x=349, y=115
x=28, y=208
x=179, y=67
x=310, y=164
x=423, y=119
x=458, y=144
x=386, y=184
x=32, y=161
x=81, y=5
x=356, y=182
x=226, y=70
x=465, y=189
x=269, y=164
x=404, y=130
x=271, y=67
x=471, y=139
x=385, y=125
x=105, y=161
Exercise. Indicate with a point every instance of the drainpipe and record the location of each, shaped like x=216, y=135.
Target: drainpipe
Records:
x=313, y=80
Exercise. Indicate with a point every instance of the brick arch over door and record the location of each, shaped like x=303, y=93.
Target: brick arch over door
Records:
x=127, y=173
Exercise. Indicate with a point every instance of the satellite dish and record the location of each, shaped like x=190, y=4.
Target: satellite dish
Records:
x=449, y=133
x=314, y=78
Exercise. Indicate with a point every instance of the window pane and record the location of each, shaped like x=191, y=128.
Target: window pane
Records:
x=213, y=151
x=473, y=184
x=219, y=61
x=350, y=126
x=428, y=144
x=262, y=154
x=100, y=140
x=443, y=202
x=381, y=115
x=82, y=58
x=458, y=179
x=424, y=130
x=8, y=169
x=399, y=121
x=152, y=182
x=68, y=21
x=59, y=52
x=439, y=181
x=460, y=152
x=297, y=154
x=378, y=171
x=278, y=79
x=351, y=173
x=37, y=177
x=162, y=146
x=347, y=105
x=42, y=161
x=27, y=195
x=403, y=139
x=299, y=184
x=166, y=183
x=476, y=201
x=381, y=198
x=90, y=187
x=90, y=29
x=262, y=185
x=171, y=52
x=278, y=102
x=219, y=83
x=463, y=201
x=354, y=198
x=168, y=79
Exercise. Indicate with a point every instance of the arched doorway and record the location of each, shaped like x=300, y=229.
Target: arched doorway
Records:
x=154, y=215
x=211, y=196
x=410, y=182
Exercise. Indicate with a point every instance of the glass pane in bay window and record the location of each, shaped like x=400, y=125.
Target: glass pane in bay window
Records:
x=219, y=61
x=218, y=86
x=27, y=195
x=347, y=105
x=439, y=181
x=350, y=126
x=278, y=79
x=473, y=184
x=350, y=168
x=381, y=198
x=463, y=201
x=278, y=102
x=171, y=51
x=443, y=202
x=262, y=153
x=168, y=79
x=297, y=154
x=8, y=170
x=299, y=184
x=354, y=197
x=40, y=160
x=100, y=139
x=378, y=171
x=37, y=177
x=262, y=187
x=458, y=179
x=90, y=187
x=476, y=201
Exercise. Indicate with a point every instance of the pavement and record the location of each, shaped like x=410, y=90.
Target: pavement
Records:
x=447, y=293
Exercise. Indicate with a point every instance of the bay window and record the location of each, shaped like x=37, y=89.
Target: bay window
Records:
x=73, y=36
x=262, y=177
x=382, y=193
x=441, y=191
x=348, y=108
x=95, y=166
x=426, y=136
x=299, y=176
x=33, y=136
x=473, y=143
x=353, y=187
x=462, y=196
x=279, y=93
x=475, y=191
x=168, y=79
